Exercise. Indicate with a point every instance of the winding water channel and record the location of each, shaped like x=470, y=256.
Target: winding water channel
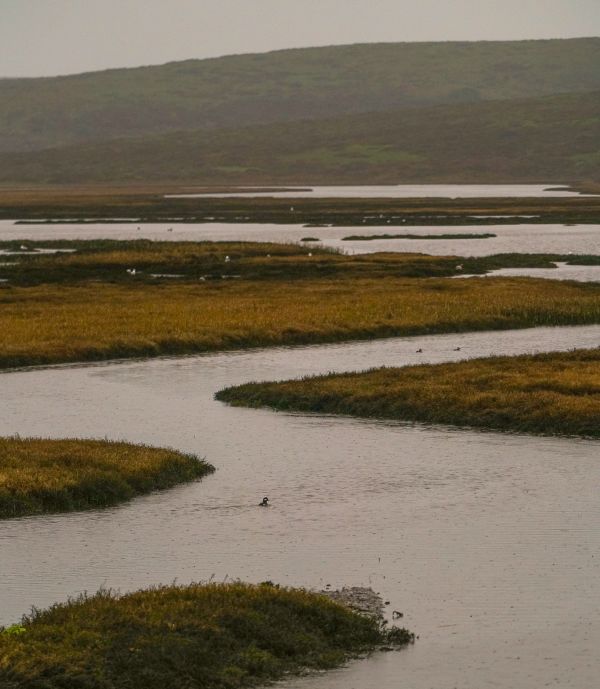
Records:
x=489, y=543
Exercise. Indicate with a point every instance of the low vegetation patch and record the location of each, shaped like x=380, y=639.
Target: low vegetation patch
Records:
x=27, y=263
x=30, y=263
x=369, y=237
x=39, y=476
x=213, y=636
x=555, y=393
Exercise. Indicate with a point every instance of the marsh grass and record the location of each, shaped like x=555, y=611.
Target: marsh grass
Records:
x=147, y=203
x=88, y=305
x=111, y=261
x=555, y=393
x=52, y=323
x=40, y=476
x=214, y=636
x=370, y=237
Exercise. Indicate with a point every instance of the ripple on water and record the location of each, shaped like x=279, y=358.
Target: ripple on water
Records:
x=489, y=543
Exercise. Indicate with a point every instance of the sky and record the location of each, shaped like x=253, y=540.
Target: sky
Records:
x=49, y=37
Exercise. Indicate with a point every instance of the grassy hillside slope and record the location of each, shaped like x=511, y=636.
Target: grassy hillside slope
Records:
x=286, y=85
x=549, y=139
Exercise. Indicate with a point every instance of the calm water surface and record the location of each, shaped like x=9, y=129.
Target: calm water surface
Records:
x=406, y=191
x=489, y=543
x=563, y=271
x=557, y=239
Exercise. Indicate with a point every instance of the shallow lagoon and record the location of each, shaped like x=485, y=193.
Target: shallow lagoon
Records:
x=525, y=238
x=404, y=191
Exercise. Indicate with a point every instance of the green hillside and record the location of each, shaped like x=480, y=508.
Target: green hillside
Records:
x=551, y=139
x=286, y=85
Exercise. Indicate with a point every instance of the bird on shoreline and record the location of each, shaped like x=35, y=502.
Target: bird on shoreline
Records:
x=264, y=503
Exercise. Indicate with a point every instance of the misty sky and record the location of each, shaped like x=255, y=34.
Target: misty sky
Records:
x=47, y=37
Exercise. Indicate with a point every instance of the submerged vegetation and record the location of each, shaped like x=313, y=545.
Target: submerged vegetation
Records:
x=555, y=393
x=214, y=636
x=40, y=475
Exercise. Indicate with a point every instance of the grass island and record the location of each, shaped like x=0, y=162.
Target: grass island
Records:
x=215, y=636
x=551, y=394
x=461, y=235
x=40, y=476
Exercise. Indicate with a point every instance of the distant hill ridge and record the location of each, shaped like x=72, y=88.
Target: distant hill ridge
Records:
x=547, y=139
x=240, y=90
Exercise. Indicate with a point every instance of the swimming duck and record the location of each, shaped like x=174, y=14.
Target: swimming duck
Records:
x=264, y=503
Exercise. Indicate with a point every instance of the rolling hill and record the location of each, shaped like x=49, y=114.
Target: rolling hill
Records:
x=283, y=86
x=548, y=139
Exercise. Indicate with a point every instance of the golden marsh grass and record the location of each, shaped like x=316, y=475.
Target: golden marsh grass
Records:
x=49, y=324
x=39, y=475
x=555, y=393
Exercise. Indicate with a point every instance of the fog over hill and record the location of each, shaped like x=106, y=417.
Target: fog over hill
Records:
x=283, y=86
x=547, y=139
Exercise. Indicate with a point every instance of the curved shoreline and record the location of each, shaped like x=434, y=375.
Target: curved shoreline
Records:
x=45, y=476
x=212, y=635
x=214, y=527
x=548, y=394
